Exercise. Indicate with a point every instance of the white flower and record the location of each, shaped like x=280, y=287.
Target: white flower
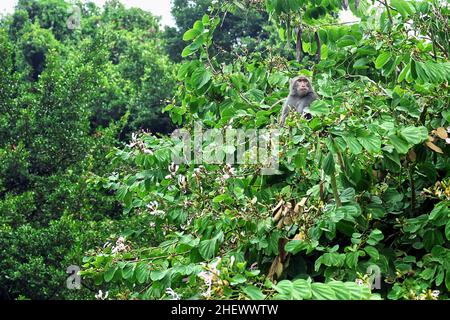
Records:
x=173, y=294
x=152, y=206
x=120, y=245
x=232, y=259
x=435, y=294
x=173, y=168
x=213, y=266
x=99, y=295
x=359, y=282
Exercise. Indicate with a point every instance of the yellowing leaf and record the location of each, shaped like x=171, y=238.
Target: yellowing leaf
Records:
x=433, y=147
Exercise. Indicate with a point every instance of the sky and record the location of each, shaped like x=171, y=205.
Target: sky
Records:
x=157, y=7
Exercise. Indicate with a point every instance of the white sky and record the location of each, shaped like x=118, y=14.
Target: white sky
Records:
x=157, y=7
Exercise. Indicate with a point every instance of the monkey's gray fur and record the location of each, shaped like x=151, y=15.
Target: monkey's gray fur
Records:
x=298, y=99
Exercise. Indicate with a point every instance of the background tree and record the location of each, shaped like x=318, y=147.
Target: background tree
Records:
x=239, y=30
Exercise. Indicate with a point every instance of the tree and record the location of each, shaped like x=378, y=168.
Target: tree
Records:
x=239, y=29
x=364, y=183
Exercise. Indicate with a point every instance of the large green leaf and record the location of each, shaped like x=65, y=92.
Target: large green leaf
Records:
x=191, y=34
x=382, y=59
x=109, y=274
x=319, y=107
x=200, y=77
x=400, y=144
x=254, y=293
x=414, y=135
x=321, y=291
x=328, y=164
x=353, y=145
x=405, y=8
x=293, y=290
x=370, y=142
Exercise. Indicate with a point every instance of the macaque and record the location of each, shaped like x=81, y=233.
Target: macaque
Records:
x=301, y=95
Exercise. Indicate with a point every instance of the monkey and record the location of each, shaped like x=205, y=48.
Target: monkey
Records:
x=301, y=95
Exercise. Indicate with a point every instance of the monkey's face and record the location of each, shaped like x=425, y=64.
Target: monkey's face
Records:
x=301, y=86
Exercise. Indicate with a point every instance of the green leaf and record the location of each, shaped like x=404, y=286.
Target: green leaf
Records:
x=255, y=95
x=295, y=246
x=447, y=230
x=404, y=73
x=447, y=279
x=400, y=144
x=333, y=259
x=414, y=135
x=238, y=279
x=370, y=142
x=109, y=274
x=372, y=252
x=353, y=145
x=301, y=289
x=319, y=107
x=328, y=164
x=293, y=290
x=403, y=7
x=358, y=292
x=345, y=41
x=321, y=291
x=157, y=275
x=191, y=34
x=361, y=63
x=207, y=248
x=200, y=77
x=205, y=19
x=351, y=259
x=375, y=237
x=187, y=51
x=128, y=270
x=428, y=273
x=142, y=273
x=439, y=211
x=340, y=289
x=382, y=59
x=254, y=293
x=223, y=198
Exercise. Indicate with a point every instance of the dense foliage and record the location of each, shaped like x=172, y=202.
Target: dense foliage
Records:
x=66, y=96
x=360, y=206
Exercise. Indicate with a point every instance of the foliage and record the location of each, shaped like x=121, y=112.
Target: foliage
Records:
x=359, y=207
x=65, y=99
x=242, y=30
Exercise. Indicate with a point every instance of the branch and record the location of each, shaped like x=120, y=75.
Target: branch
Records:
x=388, y=10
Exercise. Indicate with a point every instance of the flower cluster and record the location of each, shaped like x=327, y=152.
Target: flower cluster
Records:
x=173, y=168
x=228, y=172
x=210, y=276
x=100, y=296
x=136, y=142
x=120, y=246
x=173, y=295
x=428, y=295
x=152, y=207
